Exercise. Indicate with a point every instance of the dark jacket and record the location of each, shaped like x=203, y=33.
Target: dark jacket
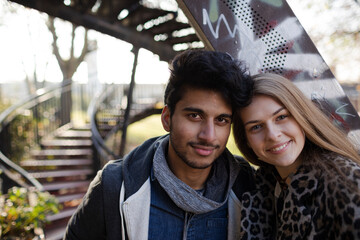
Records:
x=98, y=216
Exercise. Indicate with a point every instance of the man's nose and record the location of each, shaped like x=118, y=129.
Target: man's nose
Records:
x=207, y=131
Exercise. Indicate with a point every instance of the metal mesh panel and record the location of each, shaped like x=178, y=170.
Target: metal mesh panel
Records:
x=275, y=43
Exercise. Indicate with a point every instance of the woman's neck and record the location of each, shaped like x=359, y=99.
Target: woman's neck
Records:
x=286, y=171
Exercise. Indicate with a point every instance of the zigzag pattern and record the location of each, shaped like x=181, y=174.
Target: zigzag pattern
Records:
x=215, y=33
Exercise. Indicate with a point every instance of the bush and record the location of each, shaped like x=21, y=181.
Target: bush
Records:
x=23, y=212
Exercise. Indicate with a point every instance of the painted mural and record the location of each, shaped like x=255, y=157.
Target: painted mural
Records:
x=267, y=36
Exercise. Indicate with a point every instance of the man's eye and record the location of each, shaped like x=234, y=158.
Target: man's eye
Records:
x=223, y=120
x=194, y=115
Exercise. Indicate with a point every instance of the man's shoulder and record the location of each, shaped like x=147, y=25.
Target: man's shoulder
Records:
x=112, y=168
x=110, y=176
x=114, y=165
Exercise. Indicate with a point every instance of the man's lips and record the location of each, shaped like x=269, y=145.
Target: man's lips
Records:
x=203, y=149
x=280, y=147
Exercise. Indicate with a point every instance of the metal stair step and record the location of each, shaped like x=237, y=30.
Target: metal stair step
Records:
x=56, y=162
x=61, y=152
x=62, y=173
x=65, y=185
x=66, y=213
x=76, y=134
x=85, y=127
x=66, y=143
x=70, y=197
x=56, y=233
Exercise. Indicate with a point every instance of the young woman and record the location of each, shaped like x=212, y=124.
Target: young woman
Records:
x=308, y=180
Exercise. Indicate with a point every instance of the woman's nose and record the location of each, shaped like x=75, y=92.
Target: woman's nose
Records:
x=273, y=132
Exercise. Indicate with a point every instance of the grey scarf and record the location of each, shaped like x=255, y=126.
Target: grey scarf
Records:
x=217, y=188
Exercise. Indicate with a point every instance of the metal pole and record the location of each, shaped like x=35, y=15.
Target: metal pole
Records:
x=135, y=50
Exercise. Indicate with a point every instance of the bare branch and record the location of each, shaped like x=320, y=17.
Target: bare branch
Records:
x=51, y=27
x=72, y=41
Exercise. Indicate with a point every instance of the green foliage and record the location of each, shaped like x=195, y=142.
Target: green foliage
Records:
x=21, y=131
x=22, y=211
x=4, y=105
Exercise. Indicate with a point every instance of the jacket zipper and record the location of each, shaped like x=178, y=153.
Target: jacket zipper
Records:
x=188, y=217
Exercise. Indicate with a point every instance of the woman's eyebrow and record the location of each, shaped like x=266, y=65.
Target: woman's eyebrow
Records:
x=256, y=121
x=279, y=110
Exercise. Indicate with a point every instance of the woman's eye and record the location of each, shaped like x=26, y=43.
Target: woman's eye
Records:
x=255, y=127
x=281, y=117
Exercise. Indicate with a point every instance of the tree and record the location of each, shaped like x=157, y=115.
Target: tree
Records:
x=334, y=27
x=70, y=63
x=35, y=52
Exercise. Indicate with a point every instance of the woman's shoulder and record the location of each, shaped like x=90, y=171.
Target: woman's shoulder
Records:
x=339, y=179
x=341, y=166
x=340, y=191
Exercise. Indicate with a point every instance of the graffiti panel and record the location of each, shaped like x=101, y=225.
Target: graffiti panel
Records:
x=267, y=36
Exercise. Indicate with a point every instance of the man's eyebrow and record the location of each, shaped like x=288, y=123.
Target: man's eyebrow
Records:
x=192, y=109
x=256, y=121
x=198, y=110
x=225, y=115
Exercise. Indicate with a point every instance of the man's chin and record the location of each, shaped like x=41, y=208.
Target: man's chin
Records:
x=199, y=165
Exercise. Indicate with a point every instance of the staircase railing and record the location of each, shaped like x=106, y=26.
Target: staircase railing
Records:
x=107, y=111
x=23, y=125
x=104, y=153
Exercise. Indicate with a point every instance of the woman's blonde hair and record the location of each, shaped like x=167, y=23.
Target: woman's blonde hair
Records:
x=320, y=132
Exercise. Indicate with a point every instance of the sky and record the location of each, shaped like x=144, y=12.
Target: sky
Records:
x=25, y=40
x=329, y=22
x=24, y=37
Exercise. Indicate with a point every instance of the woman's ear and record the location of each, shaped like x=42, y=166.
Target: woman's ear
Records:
x=165, y=118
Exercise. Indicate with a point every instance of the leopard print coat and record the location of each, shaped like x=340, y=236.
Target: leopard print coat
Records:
x=315, y=205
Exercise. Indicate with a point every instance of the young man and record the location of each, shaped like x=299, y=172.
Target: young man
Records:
x=185, y=185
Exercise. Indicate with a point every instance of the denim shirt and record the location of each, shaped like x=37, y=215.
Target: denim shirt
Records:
x=168, y=221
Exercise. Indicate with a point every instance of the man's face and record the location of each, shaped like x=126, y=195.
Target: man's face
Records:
x=199, y=129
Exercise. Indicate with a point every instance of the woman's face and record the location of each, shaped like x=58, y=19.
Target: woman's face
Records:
x=273, y=134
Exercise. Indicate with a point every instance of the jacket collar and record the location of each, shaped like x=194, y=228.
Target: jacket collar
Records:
x=138, y=163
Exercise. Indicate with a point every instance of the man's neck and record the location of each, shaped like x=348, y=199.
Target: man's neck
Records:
x=194, y=178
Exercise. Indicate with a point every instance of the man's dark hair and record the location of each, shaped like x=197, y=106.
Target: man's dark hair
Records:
x=208, y=70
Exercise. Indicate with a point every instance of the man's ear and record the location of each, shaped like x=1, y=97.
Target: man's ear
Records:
x=165, y=118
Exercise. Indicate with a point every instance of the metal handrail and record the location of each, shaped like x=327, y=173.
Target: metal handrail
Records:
x=9, y=114
x=139, y=111
x=11, y=165
x=98, y=141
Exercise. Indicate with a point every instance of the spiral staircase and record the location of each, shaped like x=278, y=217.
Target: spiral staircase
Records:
x=62, y=159
x=59, y=156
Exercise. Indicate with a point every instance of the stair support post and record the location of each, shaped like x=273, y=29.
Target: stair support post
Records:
x=126, y=122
